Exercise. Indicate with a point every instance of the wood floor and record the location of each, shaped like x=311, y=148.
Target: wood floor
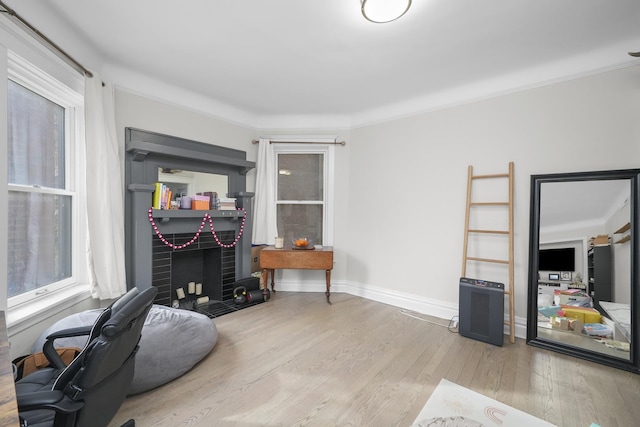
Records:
x=296, y=361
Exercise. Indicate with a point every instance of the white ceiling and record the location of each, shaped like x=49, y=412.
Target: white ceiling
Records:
x=581, y=204
x=304, y=63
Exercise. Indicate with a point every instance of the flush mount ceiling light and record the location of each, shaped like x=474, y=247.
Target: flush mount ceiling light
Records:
x=381, y=11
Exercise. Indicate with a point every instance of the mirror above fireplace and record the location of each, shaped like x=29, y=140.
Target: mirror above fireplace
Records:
x=191, y=182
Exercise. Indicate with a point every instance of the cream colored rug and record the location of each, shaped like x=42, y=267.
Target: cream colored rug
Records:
x=451, y=405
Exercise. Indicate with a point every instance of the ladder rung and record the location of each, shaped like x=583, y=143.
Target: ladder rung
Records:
x=489, y=231
x=489, y=204
x=499, y=261
x=495, y=175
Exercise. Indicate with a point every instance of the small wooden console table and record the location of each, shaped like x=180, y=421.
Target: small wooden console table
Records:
x=290, y=258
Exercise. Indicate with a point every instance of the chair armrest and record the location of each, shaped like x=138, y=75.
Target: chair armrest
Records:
x=51, y=399
x=49, y=350
x=35, y=400
x=71, y=332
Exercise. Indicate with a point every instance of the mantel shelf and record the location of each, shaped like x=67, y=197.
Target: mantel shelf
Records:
x=166, y=214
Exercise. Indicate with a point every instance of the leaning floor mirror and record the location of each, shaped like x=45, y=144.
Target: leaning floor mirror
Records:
x=584, y=266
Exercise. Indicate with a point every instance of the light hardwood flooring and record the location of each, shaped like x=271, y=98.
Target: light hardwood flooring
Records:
x=297, y=361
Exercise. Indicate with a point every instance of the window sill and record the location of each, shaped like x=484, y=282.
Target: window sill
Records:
x=31, y=313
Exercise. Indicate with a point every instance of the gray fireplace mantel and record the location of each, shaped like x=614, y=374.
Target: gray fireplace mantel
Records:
x=141, y=149
x=145, y=153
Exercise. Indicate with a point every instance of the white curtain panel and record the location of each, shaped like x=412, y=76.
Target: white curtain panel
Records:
x=105, y=192
x=265, y=227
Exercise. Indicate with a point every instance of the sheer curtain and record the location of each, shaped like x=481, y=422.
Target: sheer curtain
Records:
x=105, y=192
x=265, y=228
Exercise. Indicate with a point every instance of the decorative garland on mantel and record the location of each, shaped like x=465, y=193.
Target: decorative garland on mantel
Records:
x=195, y=237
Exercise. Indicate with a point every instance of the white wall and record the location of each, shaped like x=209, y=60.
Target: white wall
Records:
x=408, y=177
x=621, y=256
x=401, y=185
x=144, y=113
x=136, y=111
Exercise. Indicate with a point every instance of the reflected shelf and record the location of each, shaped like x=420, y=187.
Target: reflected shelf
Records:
x=621, y=230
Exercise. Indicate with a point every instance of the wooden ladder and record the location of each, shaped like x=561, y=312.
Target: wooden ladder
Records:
x=465, y=258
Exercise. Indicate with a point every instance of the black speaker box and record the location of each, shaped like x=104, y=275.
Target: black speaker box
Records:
x=481, y=305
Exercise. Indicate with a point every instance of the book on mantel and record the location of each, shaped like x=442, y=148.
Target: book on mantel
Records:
x=227, y=204
x=162, y=196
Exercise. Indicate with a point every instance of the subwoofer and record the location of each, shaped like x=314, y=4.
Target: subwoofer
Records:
x=481, y=305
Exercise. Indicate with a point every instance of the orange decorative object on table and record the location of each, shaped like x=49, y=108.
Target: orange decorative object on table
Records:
x=301, y=242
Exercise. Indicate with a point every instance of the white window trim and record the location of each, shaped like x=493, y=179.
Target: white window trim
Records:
x=328, y=150
x=24, y=306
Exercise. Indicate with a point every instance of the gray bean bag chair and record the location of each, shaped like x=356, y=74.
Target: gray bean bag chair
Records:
x=173, y=341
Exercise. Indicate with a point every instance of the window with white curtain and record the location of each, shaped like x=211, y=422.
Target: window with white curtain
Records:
x=304, y=191
x=44, y=124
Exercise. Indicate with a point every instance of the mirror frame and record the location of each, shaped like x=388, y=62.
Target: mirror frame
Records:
x=633, y=175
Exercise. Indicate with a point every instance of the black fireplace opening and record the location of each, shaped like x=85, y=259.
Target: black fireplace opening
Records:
x=186, y=277
x=200, y=267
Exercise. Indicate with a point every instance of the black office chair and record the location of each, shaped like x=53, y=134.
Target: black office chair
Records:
x=92, y=388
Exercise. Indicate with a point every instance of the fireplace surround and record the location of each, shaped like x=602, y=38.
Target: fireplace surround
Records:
x=149, y=261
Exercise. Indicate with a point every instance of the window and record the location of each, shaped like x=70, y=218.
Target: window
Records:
x=42, y=128
x=304, y=192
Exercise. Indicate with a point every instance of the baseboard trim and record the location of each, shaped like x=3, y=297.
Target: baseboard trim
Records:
x=431, y=307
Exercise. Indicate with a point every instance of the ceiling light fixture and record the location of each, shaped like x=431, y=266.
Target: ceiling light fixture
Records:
x=382, y=11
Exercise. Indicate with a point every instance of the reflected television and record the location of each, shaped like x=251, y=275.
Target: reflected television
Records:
x=559, y=259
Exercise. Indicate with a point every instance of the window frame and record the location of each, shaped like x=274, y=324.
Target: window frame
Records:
x=31, y=77
x=328, y=152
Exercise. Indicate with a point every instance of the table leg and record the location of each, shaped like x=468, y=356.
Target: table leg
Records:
x=265, y=283
x=273, y=277
x=328, y=293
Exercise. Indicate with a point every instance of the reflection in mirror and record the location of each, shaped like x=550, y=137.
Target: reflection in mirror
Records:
x=577, y=261
x=189, y=182
x=580, y=274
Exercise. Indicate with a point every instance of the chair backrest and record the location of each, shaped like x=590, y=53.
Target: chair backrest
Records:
x=124, y=299
x=101, y=374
